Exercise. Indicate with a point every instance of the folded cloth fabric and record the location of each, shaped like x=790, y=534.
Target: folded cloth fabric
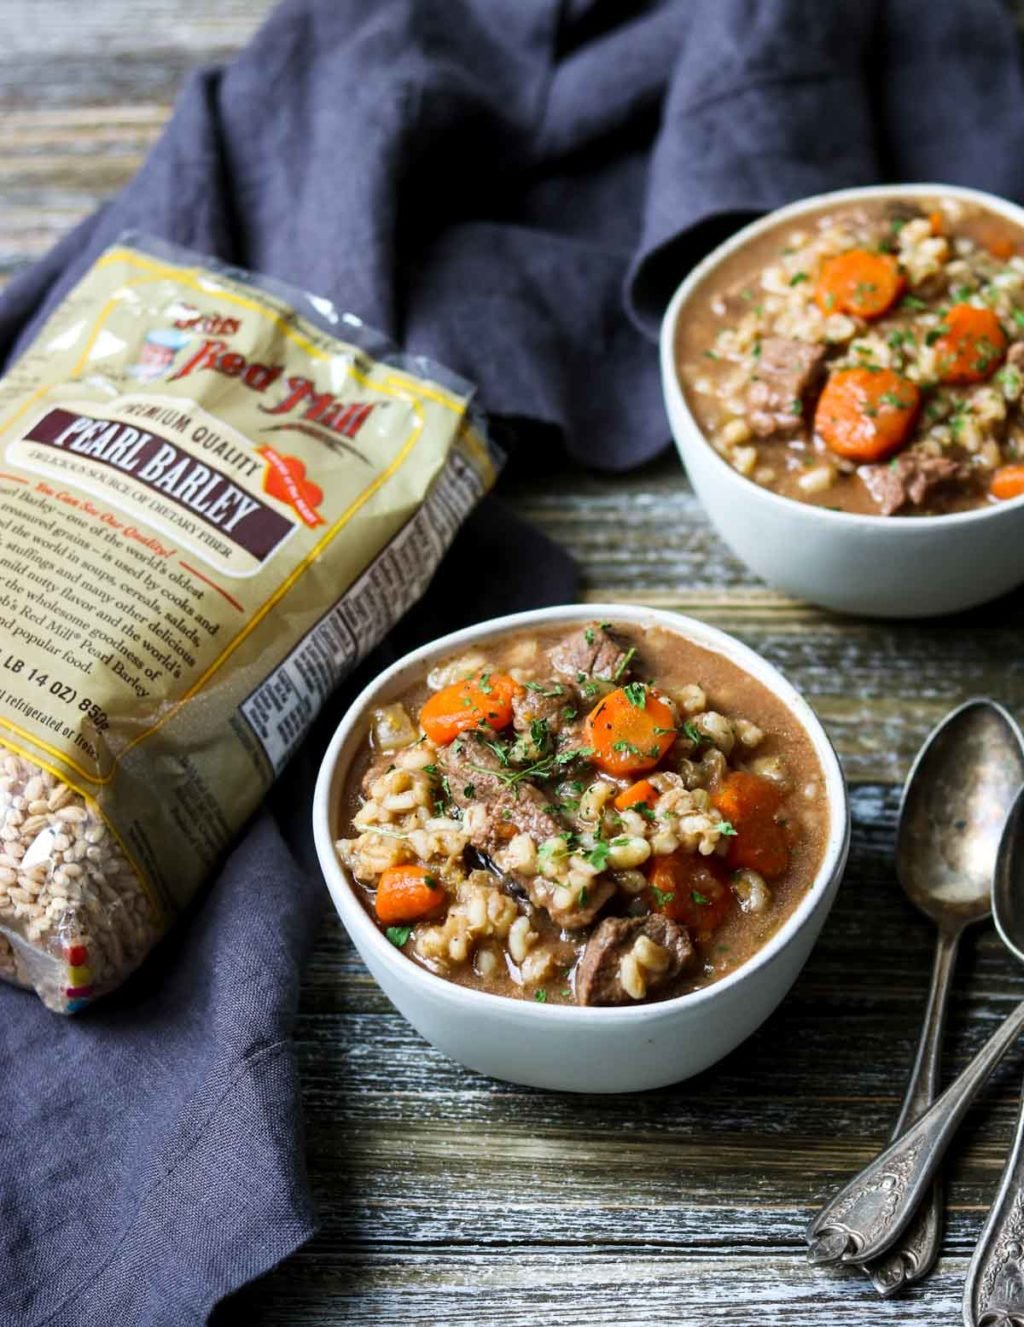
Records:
x=513, y=187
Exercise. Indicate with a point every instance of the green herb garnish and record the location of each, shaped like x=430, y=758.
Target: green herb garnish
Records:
x=623, y=663
x=598, y=855
x=636, y=694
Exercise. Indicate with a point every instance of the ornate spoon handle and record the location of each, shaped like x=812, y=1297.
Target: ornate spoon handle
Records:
x=994, y=1293
x=866, y=1218
x=913, y=1254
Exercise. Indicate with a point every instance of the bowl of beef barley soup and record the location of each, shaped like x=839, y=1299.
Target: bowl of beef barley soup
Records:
x=845, y=384
x=586, y=848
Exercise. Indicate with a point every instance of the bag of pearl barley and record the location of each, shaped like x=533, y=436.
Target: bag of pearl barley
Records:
x=216, y=495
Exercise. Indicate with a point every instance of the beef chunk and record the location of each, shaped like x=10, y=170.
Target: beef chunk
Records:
x=473, y=772
x=786, y=370
x=547, y=703
x=895, y=216
x=598, y=978
x=591, y=652
x=910, y=480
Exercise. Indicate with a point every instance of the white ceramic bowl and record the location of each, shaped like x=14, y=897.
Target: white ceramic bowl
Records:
x=566, y=1047
x=884, y=566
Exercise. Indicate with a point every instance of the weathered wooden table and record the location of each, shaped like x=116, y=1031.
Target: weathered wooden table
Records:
x=446, y=1198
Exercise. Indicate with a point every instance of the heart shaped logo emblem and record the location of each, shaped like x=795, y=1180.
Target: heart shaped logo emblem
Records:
x=285, y=479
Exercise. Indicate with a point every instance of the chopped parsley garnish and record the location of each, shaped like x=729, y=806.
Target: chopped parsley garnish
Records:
x=693, y=733
x=470, y=790
x=541, y=997
x=623, y=745
x=1018, y=316
x=623, y=663
x=930, y=337
x=636, y=694
x=912, y=302
x=588, y=636
x=485, y=684
x=727, y=830
x=661, y=897
x=796, y=406
x=539, y=769
x=429, y=769
x=398, y=935
x=797, y=277
x=700, y=898
x=540, y=690
x=598, y=855
x=582, y=898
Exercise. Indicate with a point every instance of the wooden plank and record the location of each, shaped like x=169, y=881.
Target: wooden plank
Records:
x=447, y=1197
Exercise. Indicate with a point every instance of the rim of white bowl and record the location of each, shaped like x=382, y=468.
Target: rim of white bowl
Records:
x=670, y=378
x=361, y=926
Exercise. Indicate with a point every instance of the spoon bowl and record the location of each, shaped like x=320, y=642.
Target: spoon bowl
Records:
x=1008, y=887
x=953, y=813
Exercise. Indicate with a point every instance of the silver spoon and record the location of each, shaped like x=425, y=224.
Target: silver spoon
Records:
x=957, y=836
x=953, y=902
x=994, y=1293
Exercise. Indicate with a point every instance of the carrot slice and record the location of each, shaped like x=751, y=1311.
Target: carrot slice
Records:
x=642, y=793
x=690, y=889
x=972, y=345
x=749, y=805
x=407, y=894
x=866, y=414
x=860, y=282
x=936, y=221
x=1007, y=482
x=630, y=730
x=483, y=700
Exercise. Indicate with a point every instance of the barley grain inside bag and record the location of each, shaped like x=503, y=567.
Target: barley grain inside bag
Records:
x=216, y=495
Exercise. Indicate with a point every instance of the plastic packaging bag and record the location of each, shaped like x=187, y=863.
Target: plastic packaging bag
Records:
x=216, y=495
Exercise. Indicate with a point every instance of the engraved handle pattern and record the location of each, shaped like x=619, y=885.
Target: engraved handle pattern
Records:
x=914, y=1254
x=994, y=1292
x=866, y=1218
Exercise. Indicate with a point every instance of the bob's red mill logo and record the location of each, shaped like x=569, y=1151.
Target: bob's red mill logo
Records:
x=344, y=418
